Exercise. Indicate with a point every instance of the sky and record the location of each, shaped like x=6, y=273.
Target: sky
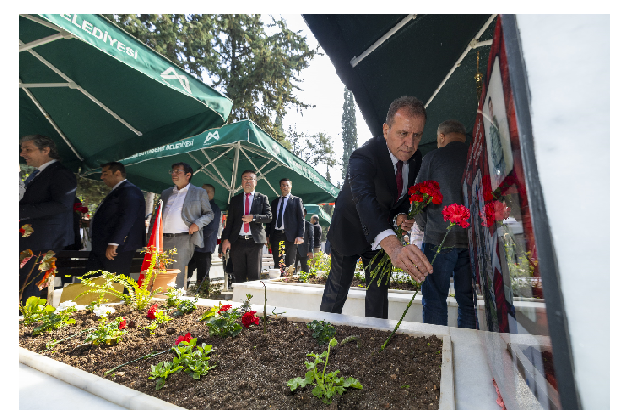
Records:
x=321, y=87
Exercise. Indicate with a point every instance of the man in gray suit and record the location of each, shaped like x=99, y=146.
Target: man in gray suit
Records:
x=186, y=211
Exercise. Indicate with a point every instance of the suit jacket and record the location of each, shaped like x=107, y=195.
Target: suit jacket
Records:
x=367, y=202
x=260, y=209
x=47, y=205
x=196, y=210
x=120, y=219
x=293, y=218
x=307, y=246
x=210, y=231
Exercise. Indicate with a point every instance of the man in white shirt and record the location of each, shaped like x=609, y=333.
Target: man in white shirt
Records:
x=186, y=211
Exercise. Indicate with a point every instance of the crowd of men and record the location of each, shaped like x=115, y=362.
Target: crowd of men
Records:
x=372, y=201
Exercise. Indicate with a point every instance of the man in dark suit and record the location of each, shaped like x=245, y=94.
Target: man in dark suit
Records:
x=47, y=205
x=374, y=194
x=202, y=258
x=305, y=250
x=244, y=232
x=118, y=224
x=288, y=222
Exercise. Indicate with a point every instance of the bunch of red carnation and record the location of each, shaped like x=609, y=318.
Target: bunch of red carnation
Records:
x=78, y=207
x=224, y=308
x=151, y=312
x=457, y=214
x=186, y=338
x=426, y=192
x=494, y=211
x=249, y=318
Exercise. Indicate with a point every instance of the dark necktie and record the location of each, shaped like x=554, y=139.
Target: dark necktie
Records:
x=31, y=177
x=279, y=217
x=246, y=212
x=398, y=179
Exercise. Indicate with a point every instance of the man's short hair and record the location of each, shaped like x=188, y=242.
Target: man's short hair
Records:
x=284, y=179
x=413, y=106
x=114, y=166
x=305, y=210
x=451, y=126
x=210, y=186
x=187, y=168
x=42, y=142
x=315, y=217
x=249, y=171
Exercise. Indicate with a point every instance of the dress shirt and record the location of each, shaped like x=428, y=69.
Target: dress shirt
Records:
x=45, y=165
x=113, y=188
x=278, y=206
x=173, y=223
x=250, y=204
x=405, y=169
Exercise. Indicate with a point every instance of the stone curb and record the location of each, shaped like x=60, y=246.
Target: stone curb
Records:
x=106, y=389
x=447, y=399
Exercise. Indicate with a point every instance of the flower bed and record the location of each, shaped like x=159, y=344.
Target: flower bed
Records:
x=252, y=368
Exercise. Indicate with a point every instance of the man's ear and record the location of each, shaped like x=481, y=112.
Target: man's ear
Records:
x=46, y=150
x=385, y=129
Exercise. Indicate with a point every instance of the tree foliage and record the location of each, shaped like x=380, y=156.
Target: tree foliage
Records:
x=316, y=149
x=348, y=130
x=254, y=64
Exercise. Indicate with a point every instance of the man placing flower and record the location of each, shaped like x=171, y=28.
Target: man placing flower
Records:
x=446, y=166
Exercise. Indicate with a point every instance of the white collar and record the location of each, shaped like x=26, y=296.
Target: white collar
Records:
x=184, y=189
x=286, y=196
x=117, y=185
x=45, y=165
x=392, y=156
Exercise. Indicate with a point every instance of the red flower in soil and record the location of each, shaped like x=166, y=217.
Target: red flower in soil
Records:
x=457, y=214
x=122, y=324
x=186, y=338
x=250, y=318
x=151, y=312
x=224, y=308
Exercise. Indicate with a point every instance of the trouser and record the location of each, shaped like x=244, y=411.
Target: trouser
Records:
x=290, y=249
x=303, y=261
x=339, y=281
x=121, y=263
x=185, y=250
x=435, y=287
x=246, y=257
x=202, y=262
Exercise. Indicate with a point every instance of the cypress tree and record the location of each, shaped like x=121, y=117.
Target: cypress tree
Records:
x=348, y=130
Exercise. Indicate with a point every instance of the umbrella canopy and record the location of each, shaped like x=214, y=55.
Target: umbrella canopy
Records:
x=219, y=156
x=433, y=57
x=102, y=95
x=314, y=209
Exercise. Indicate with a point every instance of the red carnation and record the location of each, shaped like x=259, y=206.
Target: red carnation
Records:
x=494, y=211
x=151, y=312
x=186, y=338
x=21, y=230
x=457, y=214
x=250, y=318
x=224, y=308
x=122, y=324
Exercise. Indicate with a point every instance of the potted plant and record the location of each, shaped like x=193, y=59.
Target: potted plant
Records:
x=158, y=274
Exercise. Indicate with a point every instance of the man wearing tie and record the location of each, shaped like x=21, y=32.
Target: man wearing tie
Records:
x=288, y=225
x=244, y=232
x=47, y=205
x=305, y=250
x=119, y=223
x=374, y=194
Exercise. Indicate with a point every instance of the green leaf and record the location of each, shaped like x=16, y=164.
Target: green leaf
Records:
x=294, y=383
x=354, y=383
x=160, y=383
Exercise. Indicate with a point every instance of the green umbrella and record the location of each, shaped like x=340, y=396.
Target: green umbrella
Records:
x=314, y=209
x=433, y=57
x=102, y=95
x=219, y=156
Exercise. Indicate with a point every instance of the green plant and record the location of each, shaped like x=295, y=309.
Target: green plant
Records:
x=322, y=331
x=222, y=321
x=186, y=306
x=53, y=318
x=108, y=333
x=161, y=371
x=321, y=263
x=160, y=317
x=34, y=309
x=303, y=277
x=195, y=361
x=326, y=385
x=173, y=295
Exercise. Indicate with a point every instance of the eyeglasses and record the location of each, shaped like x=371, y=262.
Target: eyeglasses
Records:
x=248, y=179
x=176, y=171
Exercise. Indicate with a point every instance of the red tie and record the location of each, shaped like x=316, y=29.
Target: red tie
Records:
x=246, y=212
x=398, y=179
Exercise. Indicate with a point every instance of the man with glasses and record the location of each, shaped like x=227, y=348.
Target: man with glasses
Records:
x=244, y=232
x=186, y=211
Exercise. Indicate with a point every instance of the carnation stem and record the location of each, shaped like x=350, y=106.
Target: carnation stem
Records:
x=399, y=322
x=151, y=354
x=440, y=246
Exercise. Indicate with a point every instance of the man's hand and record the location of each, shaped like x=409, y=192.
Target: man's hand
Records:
x=310, y=255
x=226, y=245
x=111, y=251
x=193, y=229
x=299, y=240
x=403, y=221
x=247, y=218
x=408, y=258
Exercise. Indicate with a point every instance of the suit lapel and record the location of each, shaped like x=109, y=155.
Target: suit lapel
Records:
x=386, y=168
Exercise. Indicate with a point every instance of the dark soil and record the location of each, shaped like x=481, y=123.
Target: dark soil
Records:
x=253, y=368
x=356, y=282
